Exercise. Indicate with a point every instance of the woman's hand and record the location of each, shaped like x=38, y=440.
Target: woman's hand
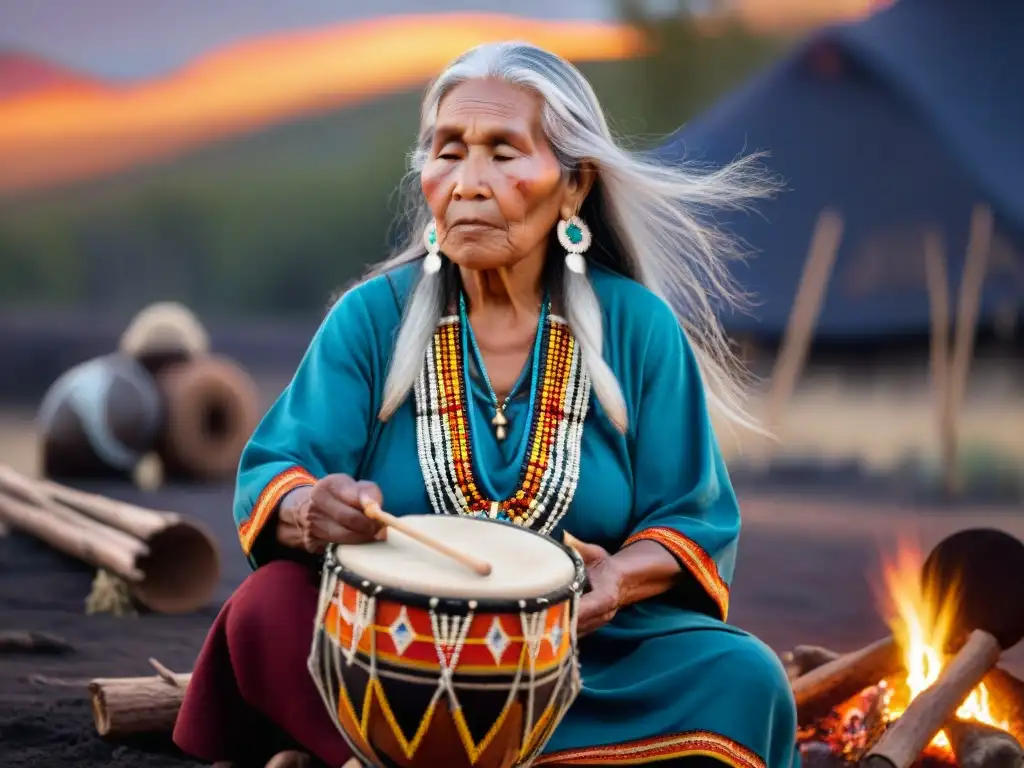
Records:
x=602, y=602
x=329, y=513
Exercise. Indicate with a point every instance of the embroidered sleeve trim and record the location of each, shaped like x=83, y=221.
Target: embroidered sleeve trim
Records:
x=275, y=490
x=692, y=557
x=688, y=744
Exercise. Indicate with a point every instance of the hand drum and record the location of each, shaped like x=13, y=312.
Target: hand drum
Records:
x=424, y=663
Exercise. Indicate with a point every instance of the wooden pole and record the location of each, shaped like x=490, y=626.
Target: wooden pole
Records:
x=937, y=280
x=968, y=309
x=807, y=305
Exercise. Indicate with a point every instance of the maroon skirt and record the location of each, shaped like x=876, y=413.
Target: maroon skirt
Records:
x=251, y=694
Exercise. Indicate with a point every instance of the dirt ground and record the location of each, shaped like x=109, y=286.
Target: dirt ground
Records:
x=804, y=576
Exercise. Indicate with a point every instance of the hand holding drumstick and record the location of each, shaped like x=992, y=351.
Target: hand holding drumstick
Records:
x=341, y=510
x=328, y=512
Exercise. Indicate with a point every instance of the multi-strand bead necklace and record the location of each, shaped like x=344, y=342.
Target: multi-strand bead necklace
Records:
x=559, y=400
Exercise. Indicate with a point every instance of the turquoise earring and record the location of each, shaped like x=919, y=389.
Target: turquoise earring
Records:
x=575, y=237
x=432, y=262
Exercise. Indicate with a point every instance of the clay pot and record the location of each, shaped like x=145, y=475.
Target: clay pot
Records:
x=212, y=408
x=99, y=419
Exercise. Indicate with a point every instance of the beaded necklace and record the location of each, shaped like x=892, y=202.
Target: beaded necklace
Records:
x=500, y=421
x=559, y=400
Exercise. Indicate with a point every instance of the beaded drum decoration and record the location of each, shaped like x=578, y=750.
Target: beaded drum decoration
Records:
x=552, y=462
x=423, y=663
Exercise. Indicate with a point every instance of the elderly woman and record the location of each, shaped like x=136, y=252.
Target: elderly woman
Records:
x=539, y=265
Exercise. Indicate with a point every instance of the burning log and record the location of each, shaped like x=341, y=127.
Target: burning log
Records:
x=981, y=568
x=131, y=705
x=1009, y=692
x=171, y=564
x=819, y=690
x=928, y=713
x=804, y=658
x=976, y=745
x=992, y=554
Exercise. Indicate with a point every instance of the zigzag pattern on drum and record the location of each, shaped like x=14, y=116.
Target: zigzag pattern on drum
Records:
x=551, y=466
x=275, y=490
x=656, y=750
x=692, y=557
x=353, y=629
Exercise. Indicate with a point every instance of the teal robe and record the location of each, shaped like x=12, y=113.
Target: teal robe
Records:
x=667, y=678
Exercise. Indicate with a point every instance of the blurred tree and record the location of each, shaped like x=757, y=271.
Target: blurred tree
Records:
x=274, y=222
x=38, y=263
x=697, y=52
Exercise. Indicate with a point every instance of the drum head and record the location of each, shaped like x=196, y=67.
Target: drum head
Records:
x=525, y=564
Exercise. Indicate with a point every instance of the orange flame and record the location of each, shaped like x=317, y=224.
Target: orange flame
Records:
x=921, y=624
x=60, y=136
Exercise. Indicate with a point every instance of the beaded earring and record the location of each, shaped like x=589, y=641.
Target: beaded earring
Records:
x=574, y=235
x=432, y=263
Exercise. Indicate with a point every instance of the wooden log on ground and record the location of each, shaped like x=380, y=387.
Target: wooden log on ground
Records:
x=126, y=706
x=26, y=641
x=135, y=521
x=171, y=564
x=71, y=535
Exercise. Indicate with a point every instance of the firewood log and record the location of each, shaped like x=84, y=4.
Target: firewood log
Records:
x=977, y=745
x=129, y=705
x=25, y=641
x=171, y=564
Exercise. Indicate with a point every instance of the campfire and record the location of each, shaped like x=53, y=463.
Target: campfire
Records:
x=935, y=669
x=923, y=625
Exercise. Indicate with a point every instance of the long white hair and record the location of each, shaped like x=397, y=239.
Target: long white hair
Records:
x=650, y=222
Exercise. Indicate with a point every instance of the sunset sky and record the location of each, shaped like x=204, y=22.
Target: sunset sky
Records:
x=71, y=131
x=129, y=39
x=108, y=84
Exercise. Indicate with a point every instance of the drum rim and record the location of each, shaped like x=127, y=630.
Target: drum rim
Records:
x=460, y=605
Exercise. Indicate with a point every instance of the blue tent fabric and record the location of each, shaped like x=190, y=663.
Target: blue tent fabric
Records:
x=901, y=123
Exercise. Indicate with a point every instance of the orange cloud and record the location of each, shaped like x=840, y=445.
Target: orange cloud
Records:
x=50, y=138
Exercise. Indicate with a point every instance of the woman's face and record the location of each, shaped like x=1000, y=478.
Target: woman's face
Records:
x=492, y=180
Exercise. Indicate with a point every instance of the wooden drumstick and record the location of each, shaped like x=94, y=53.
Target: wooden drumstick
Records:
x=373, y=511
